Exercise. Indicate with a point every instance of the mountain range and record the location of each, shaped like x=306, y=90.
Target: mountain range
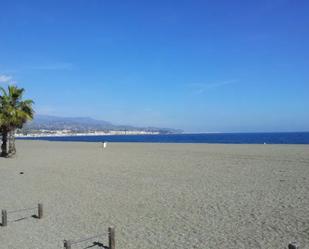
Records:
x=85, y=124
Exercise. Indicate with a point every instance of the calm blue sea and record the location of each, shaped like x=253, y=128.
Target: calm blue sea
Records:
x=228, y=138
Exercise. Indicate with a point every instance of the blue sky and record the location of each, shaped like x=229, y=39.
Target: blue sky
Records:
x=202, y=66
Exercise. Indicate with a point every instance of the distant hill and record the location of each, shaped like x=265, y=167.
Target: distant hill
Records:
x=84, y=124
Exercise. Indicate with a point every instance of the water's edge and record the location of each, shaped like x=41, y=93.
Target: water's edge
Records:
x=224, y=138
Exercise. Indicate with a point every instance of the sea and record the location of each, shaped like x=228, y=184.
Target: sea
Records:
x=222, y=138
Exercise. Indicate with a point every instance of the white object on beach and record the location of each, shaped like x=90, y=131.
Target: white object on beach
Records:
x=104, y=144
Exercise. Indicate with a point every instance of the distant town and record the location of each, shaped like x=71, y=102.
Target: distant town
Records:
x=61, y=133
x=51, y=126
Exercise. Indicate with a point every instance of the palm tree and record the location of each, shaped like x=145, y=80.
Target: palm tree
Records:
x=14, y=113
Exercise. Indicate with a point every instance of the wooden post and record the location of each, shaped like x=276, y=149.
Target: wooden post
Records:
x=293, y=245
x=67, y=244
x=111, y=237
x=40, y=210
x=4, y=221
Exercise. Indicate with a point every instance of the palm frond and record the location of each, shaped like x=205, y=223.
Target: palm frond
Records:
x=14, y=112
x=3, y=91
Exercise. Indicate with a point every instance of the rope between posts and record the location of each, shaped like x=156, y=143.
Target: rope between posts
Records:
x=21, y=210
x=86, y=239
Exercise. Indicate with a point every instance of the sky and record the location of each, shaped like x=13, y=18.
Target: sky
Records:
x=200, y=66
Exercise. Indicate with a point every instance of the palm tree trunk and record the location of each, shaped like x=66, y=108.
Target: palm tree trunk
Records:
x=4, y=147
x=12, y=148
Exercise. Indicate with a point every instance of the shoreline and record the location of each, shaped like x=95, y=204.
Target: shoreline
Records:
x=128, y=133
x=301, y=138
x=162, y=143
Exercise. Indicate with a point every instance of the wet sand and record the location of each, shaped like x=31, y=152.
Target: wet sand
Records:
x=157, y=195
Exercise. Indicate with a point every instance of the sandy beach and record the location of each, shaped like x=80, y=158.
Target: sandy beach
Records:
x=157, y=195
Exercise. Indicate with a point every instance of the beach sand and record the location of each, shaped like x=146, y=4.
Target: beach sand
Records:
x=157, y=195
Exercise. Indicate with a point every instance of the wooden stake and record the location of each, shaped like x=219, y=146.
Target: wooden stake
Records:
x=111, y=237
x=67, y=244
x=40, y=210
x=4, y=221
